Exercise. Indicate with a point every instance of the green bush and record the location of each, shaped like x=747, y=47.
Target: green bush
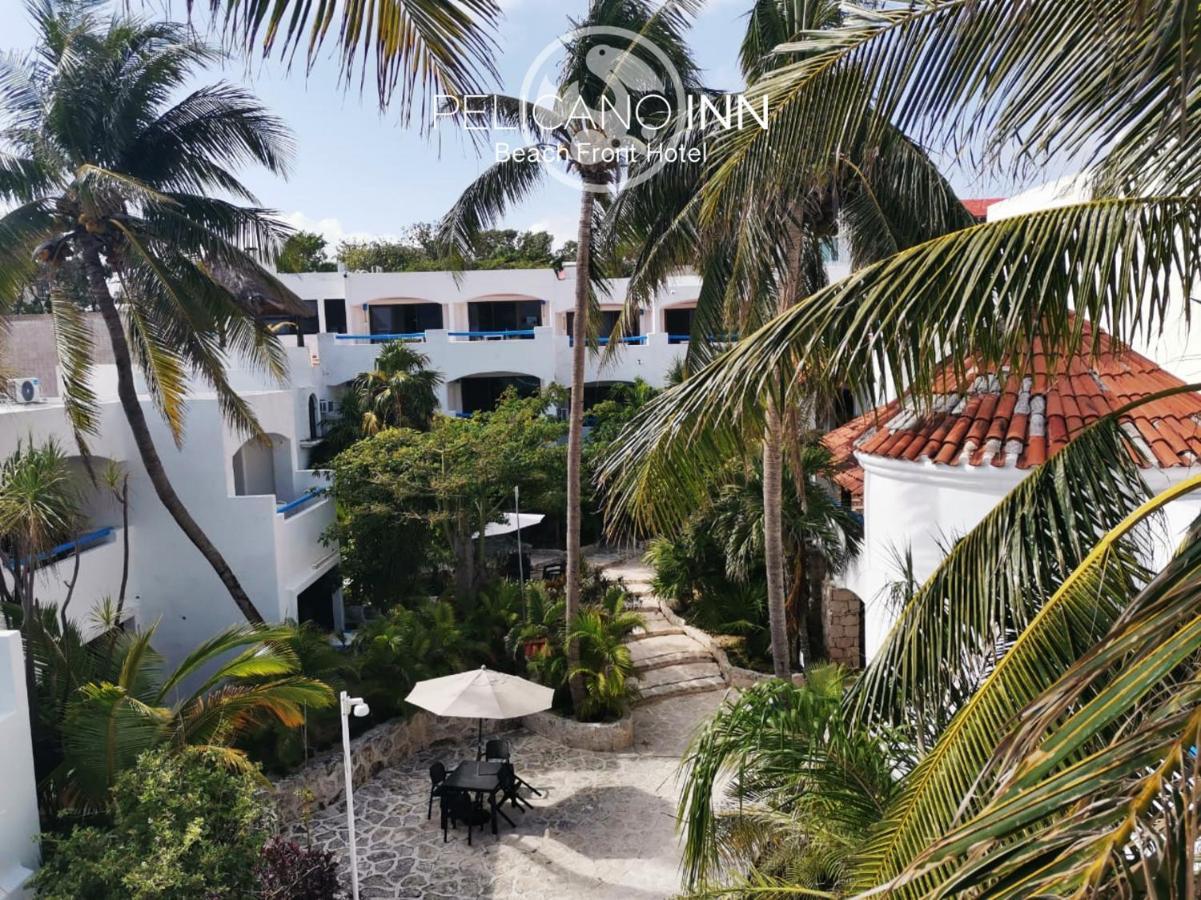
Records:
x=185, y=825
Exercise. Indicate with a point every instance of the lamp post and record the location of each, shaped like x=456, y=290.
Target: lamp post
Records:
x=351, y=706
x=520, y=564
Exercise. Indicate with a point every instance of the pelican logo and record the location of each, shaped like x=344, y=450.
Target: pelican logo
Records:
x=598, y=106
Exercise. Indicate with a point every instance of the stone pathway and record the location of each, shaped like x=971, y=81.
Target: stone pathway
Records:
x=667, y=662
x=605, y=829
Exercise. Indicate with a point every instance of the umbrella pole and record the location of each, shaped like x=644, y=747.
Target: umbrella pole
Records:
x=479, y=747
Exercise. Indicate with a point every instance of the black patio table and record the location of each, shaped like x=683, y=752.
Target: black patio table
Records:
x=478, y=778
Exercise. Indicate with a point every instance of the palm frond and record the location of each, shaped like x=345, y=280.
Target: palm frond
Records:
x=422, y=48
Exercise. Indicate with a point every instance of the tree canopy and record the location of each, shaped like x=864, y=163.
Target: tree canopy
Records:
x=419, y=250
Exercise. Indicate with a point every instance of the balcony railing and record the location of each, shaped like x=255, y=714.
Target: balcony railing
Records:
x=412, y=336
x=68, y=548
x=517, y=334
x=307, y=497
x=677, y=339
x=637, y=339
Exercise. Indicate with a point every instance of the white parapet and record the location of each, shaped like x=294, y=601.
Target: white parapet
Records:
x=19, y=854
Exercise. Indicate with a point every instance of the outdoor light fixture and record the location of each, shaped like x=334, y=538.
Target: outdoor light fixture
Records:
x=357, y=707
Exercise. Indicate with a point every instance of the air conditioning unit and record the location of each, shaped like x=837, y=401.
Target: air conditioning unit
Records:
x=25, y=390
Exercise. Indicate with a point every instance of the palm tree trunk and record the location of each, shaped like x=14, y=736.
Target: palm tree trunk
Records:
x=98, y=289
x=773, y=541
x=575, y=430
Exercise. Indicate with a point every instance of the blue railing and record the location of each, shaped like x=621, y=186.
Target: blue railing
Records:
x=83, y=542
x=381, y=338
x=485, y=335
x=307, y=497
x=604, y=341
x=677, y=339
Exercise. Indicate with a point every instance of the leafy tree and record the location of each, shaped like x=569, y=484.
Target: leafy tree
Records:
x=421, y=251
x=304, y=251
x=409, y=499
x=581, y=142
x=114, y=170
x=183, y=825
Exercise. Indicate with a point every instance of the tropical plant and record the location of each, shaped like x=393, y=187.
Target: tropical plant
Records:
x=400, y=392
x=220, y=692
x=184, y=824
x=421, y=251
x=111, y=165
x=39, y=509
x=584, y=145
x=408, y=645
x=756, y=258
x=287, y=871
x=605, y=667
x=805, y=788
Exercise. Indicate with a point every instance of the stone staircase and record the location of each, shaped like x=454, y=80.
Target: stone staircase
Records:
x=667, y=662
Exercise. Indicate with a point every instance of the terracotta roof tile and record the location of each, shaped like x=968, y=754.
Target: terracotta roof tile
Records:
x=1023, y=419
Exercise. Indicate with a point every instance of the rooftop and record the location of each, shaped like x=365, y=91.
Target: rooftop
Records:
x=1019, y=422
x=978, y=207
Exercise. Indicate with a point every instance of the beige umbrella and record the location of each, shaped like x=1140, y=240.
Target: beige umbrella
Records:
x=481, y=694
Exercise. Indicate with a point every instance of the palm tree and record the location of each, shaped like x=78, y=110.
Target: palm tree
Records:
x=400, y=392
x=228, y=686
x=106, y=169
x=39, y=508
x=577, y=143
x=756, y=258
x=424, y=49
x=1049, y=677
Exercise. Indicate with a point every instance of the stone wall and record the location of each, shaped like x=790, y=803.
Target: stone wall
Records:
x=321, y=781
x=601, y=737
x=843, y=624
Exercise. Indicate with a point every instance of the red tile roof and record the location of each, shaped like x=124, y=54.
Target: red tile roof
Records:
x=1020, y=422
x=979, y=207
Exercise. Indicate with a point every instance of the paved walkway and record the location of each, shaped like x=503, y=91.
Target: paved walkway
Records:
x=604, y=831
x=667, y=662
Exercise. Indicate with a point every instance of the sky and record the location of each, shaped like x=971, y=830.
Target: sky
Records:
x=357, y=173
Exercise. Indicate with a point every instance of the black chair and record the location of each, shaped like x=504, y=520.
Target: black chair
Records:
x=496, y=750
x=508, y=790
x=437, y=776
x=456, y=806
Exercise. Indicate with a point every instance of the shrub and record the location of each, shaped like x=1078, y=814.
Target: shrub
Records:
x=185, y=825
x=287, y=871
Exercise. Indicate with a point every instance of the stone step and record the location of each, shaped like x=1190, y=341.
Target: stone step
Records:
x=658, y=650
x=679, y=688
x=678, y=673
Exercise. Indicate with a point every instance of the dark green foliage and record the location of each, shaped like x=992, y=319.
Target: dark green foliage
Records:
x=409, y=502
x=808, y=785
x=420, y=251
x=184, y=826
x=405, y=646
x=304, y=251
x=600, y=629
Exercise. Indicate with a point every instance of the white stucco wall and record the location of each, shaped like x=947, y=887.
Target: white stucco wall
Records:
x=19, y=854
x=926, y=507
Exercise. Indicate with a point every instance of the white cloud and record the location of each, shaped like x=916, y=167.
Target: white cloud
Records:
x=562, y=228
x=332, y=229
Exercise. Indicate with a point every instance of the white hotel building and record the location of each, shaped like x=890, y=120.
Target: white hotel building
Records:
x=260, y=504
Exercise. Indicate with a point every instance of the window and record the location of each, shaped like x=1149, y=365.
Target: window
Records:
x=678, y=321
x=608, y=322
x=504, y=315
x=405, y=318
x=335, y=316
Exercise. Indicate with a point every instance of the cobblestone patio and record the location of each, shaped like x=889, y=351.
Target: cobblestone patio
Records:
x=604, y=829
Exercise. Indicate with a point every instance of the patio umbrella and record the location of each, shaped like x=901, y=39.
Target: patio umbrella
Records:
x=481, y=694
